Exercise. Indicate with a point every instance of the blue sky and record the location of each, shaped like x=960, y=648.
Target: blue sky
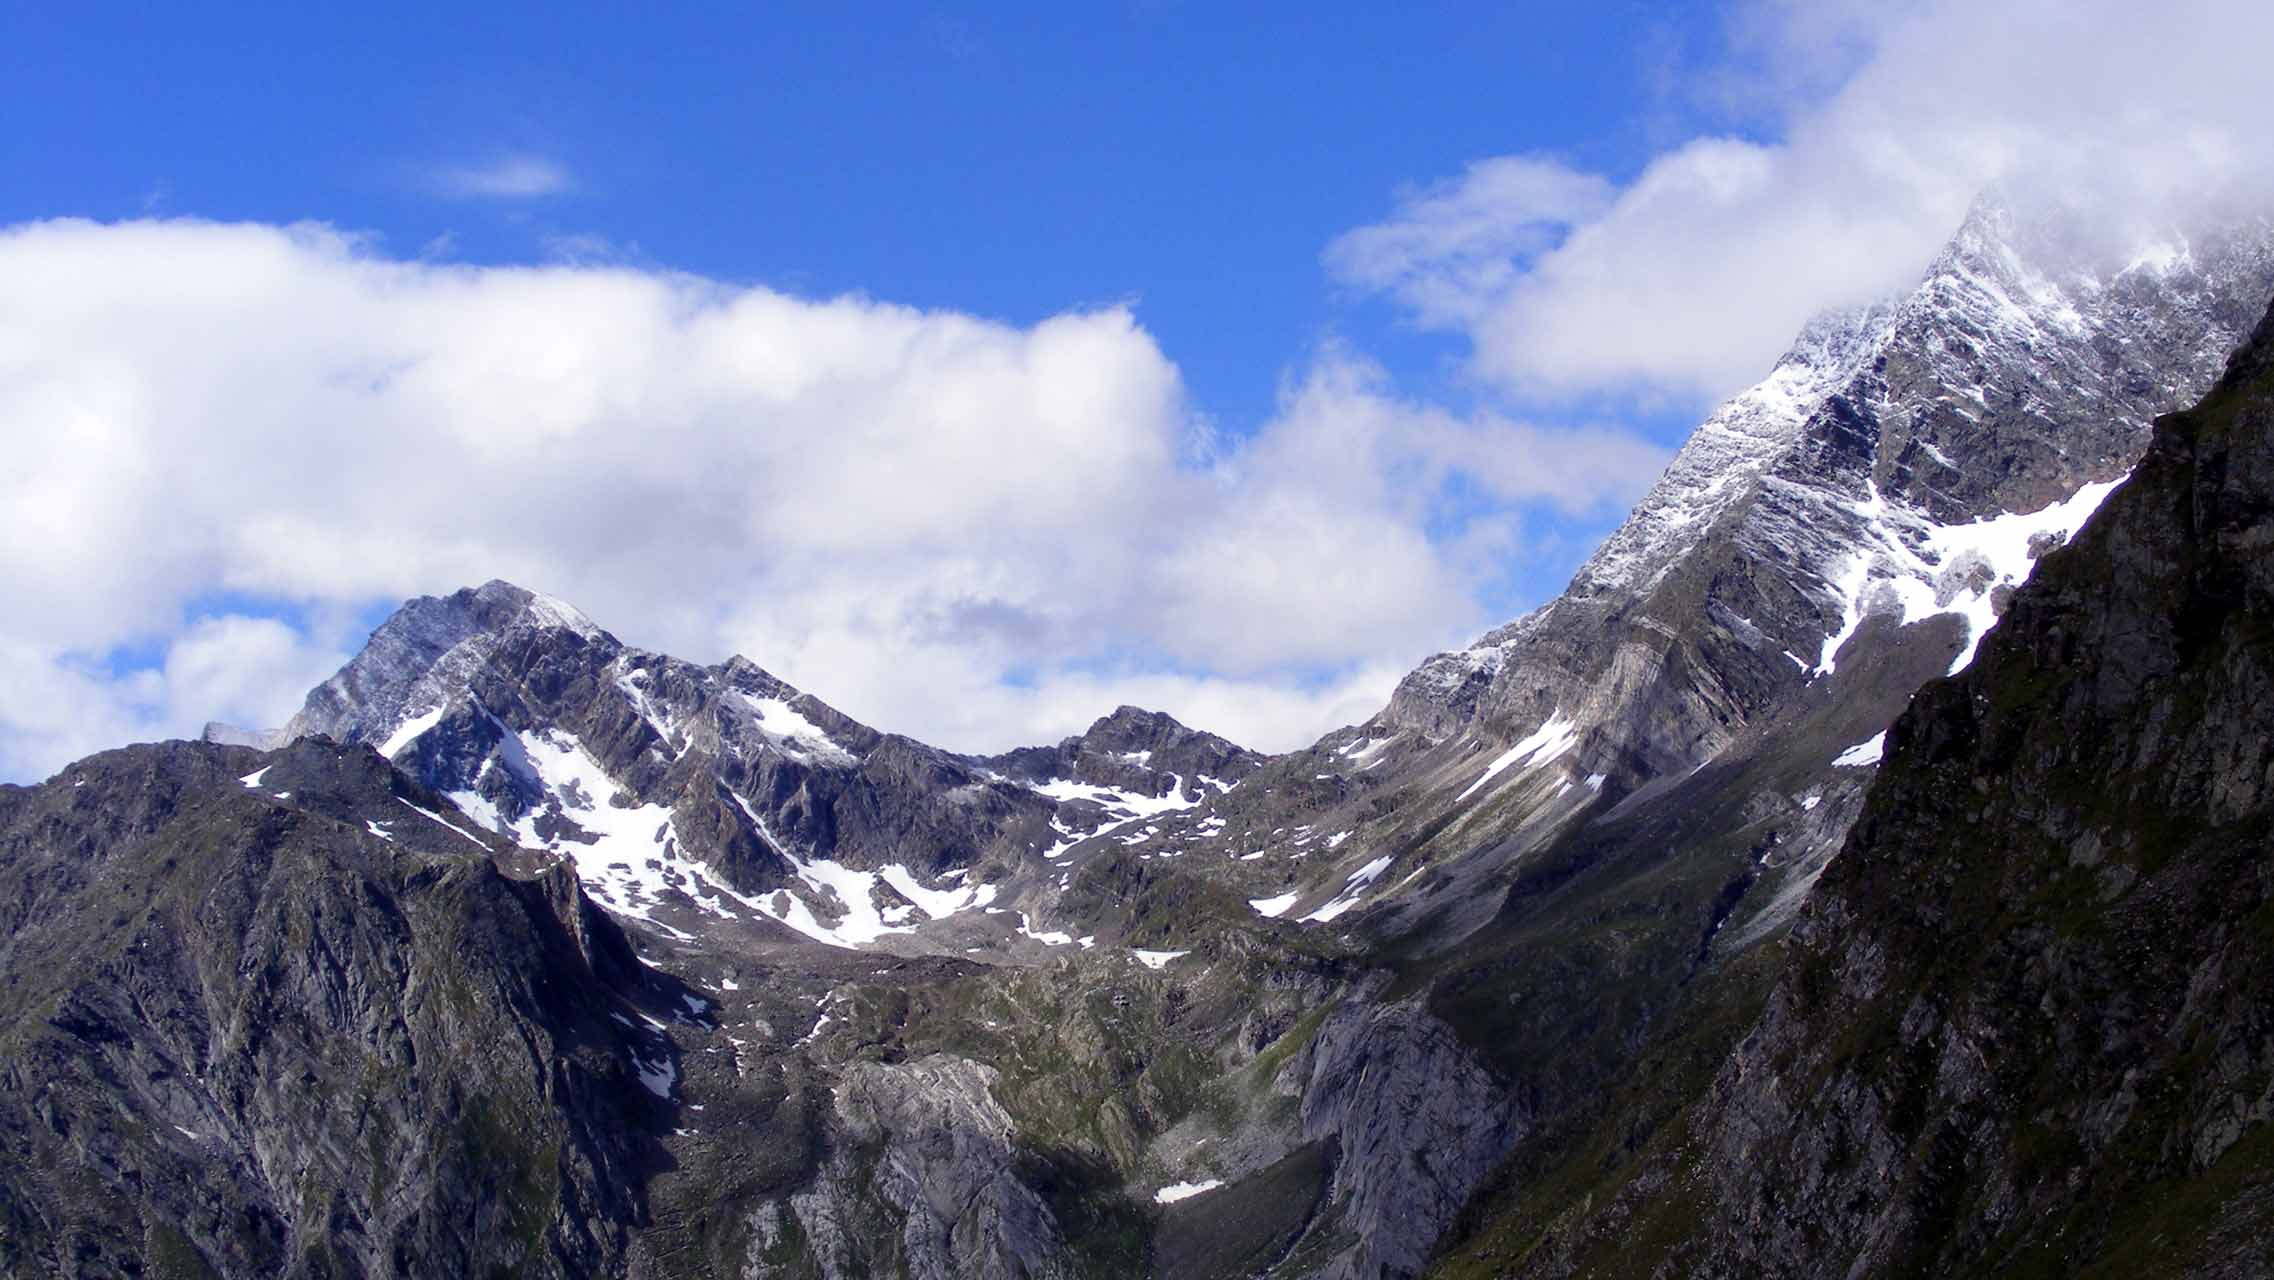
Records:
x=1011, y=161
x=977, y=369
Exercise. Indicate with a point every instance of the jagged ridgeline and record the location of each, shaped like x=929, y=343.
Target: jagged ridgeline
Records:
x=2024, y=1027
x=521, y=950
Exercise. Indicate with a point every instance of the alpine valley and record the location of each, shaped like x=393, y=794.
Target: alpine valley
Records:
x=1863, y=868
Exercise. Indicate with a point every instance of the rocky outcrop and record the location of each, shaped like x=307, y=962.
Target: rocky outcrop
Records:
x=925, y=1147
x=1417, y=1123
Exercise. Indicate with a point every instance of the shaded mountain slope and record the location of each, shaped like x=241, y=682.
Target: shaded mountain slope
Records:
x=2024, y=1028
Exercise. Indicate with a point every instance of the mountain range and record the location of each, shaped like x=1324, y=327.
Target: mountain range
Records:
x=1859, y=869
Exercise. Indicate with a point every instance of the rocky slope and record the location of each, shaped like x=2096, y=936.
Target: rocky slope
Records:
x=284, y=1015
x=2023, y=1029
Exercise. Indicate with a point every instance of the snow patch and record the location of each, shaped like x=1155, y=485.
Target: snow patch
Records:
x=1543, y=744
x=630, y=862
x=1123, y=805
x=853, y=891
x=1048, y=938
x=1176, y=1191
x=789, y=732
x=1918, y=569
x=1352, y=890
x=633, y=685
x=408, y=731
x=550, y=611
x=477, y=806
x=1863, y=753
x=1273, y=908
x=1363, y=749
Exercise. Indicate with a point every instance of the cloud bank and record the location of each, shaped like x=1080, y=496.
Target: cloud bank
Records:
x=980, y=534
x=1874, y=128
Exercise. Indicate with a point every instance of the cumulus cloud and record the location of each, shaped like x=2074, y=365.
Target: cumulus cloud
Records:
x=1879, y=125
x=506, y=177
x=977, y=533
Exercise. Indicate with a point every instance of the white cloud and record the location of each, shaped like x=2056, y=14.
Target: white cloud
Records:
x=233, y=668
x=978, y=534
x=244, y=670
x=1454, y=244
x=1886, y=121
x=506, y=177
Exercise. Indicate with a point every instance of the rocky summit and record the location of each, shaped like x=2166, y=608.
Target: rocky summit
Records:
x=1859, y=869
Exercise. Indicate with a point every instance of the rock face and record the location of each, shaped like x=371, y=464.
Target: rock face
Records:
x=930, y=1148
x=2024, y=1027
x=1417, y=1123
x=280, y=1015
